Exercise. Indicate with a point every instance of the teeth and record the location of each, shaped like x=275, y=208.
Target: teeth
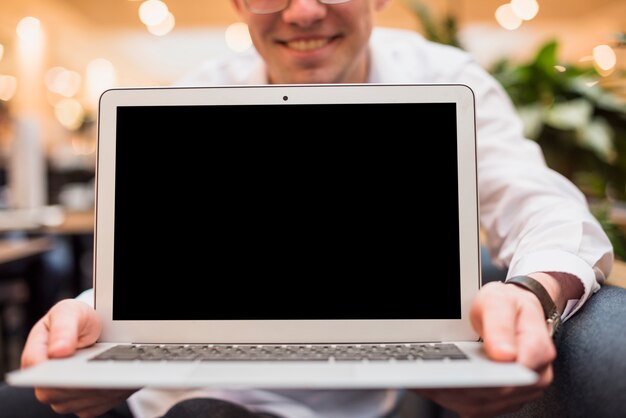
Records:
x=307, y=45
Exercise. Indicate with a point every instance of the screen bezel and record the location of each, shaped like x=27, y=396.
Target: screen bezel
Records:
x=286, y=331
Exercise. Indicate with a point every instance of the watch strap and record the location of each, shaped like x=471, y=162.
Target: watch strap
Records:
x=551, y=313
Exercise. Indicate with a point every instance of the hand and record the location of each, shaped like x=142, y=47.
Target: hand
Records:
x=512, y=325
x=68, y=326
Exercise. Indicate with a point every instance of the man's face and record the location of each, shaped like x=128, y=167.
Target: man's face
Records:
x=311, y=42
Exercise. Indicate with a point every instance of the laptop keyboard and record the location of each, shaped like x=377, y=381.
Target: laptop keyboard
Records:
x=268, y=352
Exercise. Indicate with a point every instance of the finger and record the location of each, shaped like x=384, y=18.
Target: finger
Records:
x=497, y=407
x=491, y=409
x=96, y=406
x=545, y=377
x=71, y=325
x=87, y=407
x=493, y=315
x=94, y=412
x=36, y=346
x=481, y=402
x=479, y=394
x=66, y=401
x=535, y=346
x=55, y=395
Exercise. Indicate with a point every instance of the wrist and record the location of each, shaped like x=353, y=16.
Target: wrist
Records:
x=561, y=287
x=550, y=311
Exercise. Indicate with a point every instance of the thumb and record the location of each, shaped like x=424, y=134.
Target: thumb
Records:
x=494, y=315
x=71, y=325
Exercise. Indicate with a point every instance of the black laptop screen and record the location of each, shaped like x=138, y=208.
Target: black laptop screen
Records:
x=286, y=212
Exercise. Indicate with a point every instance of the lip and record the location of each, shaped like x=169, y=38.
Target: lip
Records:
x=308, y=45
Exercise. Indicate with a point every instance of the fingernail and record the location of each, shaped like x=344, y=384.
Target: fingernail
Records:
x=58, y=345
x=505, y=347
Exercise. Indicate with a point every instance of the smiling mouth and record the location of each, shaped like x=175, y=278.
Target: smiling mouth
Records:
x=304, y=45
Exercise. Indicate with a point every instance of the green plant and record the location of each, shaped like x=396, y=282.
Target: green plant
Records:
x=580, y=126
x=602, y=212
x=444, y=30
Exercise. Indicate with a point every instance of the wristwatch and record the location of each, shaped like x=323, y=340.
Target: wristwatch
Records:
x=552, y=315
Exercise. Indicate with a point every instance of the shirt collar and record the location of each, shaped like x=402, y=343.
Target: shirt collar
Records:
x=258, y=72
x=392, y=59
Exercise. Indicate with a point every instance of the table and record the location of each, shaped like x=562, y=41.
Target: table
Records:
x=19, y=258
x=74, y=223
x=49, y=249
x=18, y=249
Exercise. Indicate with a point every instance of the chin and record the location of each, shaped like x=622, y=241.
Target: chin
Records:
x=313, y=78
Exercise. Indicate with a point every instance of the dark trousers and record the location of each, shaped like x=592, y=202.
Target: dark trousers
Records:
x=21, y=403
x=589, y=380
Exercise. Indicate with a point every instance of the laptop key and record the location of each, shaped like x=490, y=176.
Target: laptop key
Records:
x=313, y=352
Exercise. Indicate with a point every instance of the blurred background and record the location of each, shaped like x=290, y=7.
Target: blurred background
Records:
x=563, y=62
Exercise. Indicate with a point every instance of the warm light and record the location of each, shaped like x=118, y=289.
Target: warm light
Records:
x=1, y=51
x=8, y=86
x=69, y=113
x=560, y=68
x=52, y=75
x=238, y=37
x=164, y=27
x=604, y=57
x=83, y=146
x=153, y=12
x=100, y=77
x=29, y=29
x=30, y=53
x=507, y=18
x=525, y=9
x=62, y=81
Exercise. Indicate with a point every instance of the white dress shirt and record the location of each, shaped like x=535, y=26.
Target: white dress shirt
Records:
x=534, y=219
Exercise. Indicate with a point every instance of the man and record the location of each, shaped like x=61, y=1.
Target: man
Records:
x=537, y=223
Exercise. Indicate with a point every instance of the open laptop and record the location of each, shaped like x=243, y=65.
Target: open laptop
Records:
x=270, y=236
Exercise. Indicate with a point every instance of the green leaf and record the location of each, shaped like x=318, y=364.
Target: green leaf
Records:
x=546, y=58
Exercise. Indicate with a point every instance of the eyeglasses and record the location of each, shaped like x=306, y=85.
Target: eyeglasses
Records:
x=264, y=7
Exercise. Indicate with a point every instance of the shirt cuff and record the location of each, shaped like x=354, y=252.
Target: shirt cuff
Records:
x=87, y=297
x=561, y=262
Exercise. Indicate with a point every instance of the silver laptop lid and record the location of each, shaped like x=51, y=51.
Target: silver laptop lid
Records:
x=300, y=208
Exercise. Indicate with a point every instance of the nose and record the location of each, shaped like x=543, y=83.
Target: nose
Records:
x=304, y=13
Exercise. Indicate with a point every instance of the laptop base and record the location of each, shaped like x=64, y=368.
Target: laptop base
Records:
x=479, y=372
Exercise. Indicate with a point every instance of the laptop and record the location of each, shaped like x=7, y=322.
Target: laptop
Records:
x=285, y=237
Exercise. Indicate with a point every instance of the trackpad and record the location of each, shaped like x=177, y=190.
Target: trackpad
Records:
x=273, y=374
